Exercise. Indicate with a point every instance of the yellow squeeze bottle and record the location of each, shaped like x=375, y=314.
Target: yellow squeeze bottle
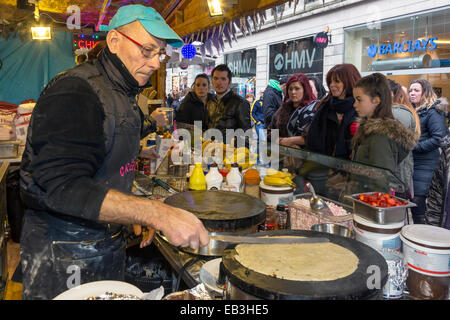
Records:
x=197, y=181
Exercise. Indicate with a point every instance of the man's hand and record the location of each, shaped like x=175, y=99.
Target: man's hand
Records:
x=182, y=228
x=160, y=117
x=147, y=234
x=149, y=153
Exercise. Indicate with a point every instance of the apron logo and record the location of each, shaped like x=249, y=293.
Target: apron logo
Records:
x=129, y=167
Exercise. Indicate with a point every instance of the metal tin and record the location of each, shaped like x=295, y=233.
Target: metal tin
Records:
x=398, y=272
x=377, y=214
x=333, y=229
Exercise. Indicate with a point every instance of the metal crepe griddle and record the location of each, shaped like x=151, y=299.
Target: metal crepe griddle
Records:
x=353, y=286
x=221, y=210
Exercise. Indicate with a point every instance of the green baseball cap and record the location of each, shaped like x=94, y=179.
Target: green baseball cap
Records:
x=150, y=20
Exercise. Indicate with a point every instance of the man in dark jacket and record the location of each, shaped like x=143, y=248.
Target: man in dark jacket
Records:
x=273, y=96
x=79, y=162
x=226, y=110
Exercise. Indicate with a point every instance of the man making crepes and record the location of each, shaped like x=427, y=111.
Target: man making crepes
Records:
x=78, y=166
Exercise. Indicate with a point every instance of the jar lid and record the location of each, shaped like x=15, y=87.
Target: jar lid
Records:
x=251, y=176
x=213, y=165
x=274, y=188
x=361, y=220
x=234, y=165
x=428, y=235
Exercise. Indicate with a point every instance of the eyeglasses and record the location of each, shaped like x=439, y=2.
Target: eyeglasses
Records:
x=146, y=52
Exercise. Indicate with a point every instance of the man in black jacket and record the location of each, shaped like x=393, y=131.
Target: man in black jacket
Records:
x=273, y=96
x=78, y=166
x=227, y=110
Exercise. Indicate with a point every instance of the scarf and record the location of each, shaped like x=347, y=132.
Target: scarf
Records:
x=326, y=135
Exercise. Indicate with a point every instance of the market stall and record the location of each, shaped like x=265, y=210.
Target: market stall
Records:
x=361, y=220
x=350, y=218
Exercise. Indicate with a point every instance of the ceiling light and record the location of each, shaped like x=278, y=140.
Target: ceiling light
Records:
x=214, y=8
x=41, y=33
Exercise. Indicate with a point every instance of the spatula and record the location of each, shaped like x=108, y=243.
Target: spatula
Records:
x=267, y=240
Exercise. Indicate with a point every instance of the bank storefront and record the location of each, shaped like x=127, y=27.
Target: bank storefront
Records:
x=243, y=67
x=295, y=56
x=404, y=48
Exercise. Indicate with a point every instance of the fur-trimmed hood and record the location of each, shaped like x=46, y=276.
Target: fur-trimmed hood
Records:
x=390, y=128
x=440, y=105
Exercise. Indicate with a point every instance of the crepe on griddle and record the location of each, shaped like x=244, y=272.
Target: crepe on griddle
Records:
x=298, y=262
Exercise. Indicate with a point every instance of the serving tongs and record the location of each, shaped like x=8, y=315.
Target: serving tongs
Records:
x=141, y=189
x=316, y=203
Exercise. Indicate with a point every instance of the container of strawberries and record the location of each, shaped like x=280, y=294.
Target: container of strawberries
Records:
x=379, y=207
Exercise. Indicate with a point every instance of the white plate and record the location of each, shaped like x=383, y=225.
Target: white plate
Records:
x=209, y=274
x=97, y=288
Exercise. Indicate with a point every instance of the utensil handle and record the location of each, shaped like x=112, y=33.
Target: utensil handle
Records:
x=311, y=188
x=164, y=185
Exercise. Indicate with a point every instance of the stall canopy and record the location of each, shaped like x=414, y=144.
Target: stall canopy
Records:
x=191, y=19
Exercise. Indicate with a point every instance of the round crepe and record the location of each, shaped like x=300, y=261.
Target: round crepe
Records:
x=298, y=262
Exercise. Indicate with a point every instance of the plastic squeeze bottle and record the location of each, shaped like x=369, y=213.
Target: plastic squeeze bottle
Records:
x=234, y=178
x=214, y=179
x=197, y=180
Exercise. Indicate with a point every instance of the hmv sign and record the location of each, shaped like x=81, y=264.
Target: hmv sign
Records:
x=297, y=56
x=242, y=64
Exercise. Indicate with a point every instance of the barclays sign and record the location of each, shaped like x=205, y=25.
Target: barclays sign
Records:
x=401, y=47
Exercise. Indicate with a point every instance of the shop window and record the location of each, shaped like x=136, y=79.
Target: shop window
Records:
x=413, y=42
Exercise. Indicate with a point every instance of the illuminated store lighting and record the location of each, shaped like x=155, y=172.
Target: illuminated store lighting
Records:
x=214, y=8
x=41, y=33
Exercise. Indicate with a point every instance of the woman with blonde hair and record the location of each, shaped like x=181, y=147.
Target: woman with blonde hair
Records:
x=426, y=153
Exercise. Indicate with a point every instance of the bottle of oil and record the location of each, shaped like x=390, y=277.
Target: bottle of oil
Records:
x=197, y=180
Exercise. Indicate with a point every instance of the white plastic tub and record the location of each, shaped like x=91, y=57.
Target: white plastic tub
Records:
x=427, y=252
x=271, y=195
x=378, y=236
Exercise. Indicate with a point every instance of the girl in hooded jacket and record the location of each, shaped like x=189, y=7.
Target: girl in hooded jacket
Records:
x=380, y=140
